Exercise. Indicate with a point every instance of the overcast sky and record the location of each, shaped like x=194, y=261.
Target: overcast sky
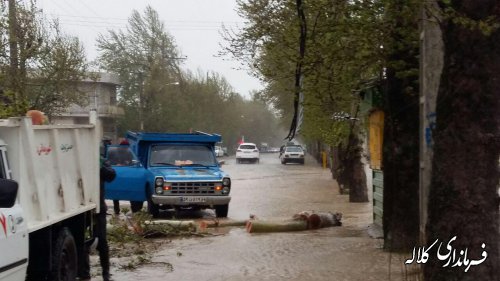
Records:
x=195, y=25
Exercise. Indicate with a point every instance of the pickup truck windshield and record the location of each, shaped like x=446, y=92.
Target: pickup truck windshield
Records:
x=182, y=155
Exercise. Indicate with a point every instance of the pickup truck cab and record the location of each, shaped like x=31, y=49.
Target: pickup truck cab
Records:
x=13, y=234
x=170, y=171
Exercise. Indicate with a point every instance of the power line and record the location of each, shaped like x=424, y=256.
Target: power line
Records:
x=174, y=25
x=88, y=8
x=166, y=21
x=118, y=23
x=109, y=26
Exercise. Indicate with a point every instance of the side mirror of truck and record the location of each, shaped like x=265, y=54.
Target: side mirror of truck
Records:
x=222, y=162
x=136, y=163
x=8, y=193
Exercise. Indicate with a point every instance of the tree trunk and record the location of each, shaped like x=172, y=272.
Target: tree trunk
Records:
x=356, y=176
x=400, y=161
x=400, y=167
x=256, y=226
x=463, y=198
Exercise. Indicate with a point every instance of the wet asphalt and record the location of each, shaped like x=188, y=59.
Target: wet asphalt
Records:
x=270, y=190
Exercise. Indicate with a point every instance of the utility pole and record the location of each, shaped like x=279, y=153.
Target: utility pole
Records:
x=14, y=60
x=431, y=65
x=141, y=102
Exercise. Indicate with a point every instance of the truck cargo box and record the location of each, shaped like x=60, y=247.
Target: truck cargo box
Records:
x=56, y=167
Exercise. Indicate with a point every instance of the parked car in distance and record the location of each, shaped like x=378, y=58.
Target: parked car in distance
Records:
x=218, y=151
x=274, y=149
x=247, y=152
x=292, y=154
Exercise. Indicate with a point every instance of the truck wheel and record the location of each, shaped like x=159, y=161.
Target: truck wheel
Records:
x=136, y=206
x=64, y=257
x=153, y=209
x=221, y=210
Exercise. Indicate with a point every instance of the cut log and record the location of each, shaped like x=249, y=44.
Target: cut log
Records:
x=300, y=221
x=176, y=224
x=258, y=226
x=221, y=223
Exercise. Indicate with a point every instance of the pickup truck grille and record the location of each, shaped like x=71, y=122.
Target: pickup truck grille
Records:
x=193, y=188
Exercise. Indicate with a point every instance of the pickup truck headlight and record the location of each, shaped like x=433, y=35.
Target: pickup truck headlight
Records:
x=226, y=182
x=159, y=185
x=159, y=190
x=226, y=185
x=159, y=181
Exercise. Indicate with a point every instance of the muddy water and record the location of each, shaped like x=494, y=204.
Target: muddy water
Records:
x=272, y=190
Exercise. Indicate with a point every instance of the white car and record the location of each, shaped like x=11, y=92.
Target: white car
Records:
x=218, y=151
x=292, y=154
x=247, y=152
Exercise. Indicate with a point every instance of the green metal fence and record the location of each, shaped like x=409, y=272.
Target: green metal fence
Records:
x=378, y=196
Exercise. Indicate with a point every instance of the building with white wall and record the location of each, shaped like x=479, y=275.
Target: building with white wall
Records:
x=102, y=95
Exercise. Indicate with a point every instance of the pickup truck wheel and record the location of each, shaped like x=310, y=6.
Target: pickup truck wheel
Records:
x=64, y=257
x=153, y=209
x=221, y=210
x=136, y=206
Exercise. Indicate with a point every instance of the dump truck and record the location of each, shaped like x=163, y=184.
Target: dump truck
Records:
x=169, y=171
x=49, y=191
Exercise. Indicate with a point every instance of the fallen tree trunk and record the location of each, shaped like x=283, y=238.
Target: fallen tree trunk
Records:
x=299, y=222
x=258, y=226
x=175, y=224
x=221, y=223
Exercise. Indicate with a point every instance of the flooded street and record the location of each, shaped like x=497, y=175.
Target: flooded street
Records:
x=270, y=190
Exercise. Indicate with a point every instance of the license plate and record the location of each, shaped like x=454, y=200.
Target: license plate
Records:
x=193, y=199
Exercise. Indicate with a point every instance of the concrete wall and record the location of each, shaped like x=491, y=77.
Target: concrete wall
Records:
x=102, y=96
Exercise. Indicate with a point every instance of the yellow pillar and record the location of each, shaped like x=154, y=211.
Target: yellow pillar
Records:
x=324, y=159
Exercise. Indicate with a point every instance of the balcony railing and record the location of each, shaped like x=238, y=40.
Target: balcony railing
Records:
x=102, y=110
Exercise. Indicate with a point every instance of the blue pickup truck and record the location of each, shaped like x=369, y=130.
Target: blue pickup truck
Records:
x=169, y=171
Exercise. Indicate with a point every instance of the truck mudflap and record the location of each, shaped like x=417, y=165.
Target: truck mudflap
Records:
x=191, y=200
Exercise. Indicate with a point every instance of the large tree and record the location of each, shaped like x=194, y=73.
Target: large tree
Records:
x=401, y=125
x=156, y=91
x=147, y=60
x=463, y=197
x=39, y=67
x=326, y=51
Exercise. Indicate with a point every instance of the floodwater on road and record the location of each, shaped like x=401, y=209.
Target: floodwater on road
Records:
x=270, y=190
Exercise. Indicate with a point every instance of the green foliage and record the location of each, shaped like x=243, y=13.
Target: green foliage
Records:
x=487, y=25
x=147, y=61
x=61, y=62
x=48, y=63
x=13, y=106
x=167, y=99
x=343, y=49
